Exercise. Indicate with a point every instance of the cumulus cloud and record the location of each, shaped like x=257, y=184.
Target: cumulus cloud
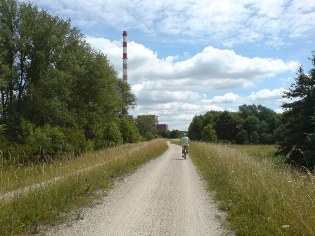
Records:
x=226, y=98
x=176, y=90
x=227, y=21
x=178, y=87
x=211, y=65
x=267, y=95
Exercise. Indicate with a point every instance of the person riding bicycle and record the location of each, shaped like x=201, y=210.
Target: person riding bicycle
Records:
x=184, y=142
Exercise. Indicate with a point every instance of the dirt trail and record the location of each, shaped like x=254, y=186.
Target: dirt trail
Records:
x=164, y=197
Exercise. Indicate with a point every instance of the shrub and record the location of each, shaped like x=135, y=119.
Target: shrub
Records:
x=112, y=135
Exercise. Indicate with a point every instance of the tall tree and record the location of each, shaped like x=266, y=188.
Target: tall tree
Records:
x=52, y=81
x=146, y=125
x=195, y=128
x=298, y=125
x=208, y=134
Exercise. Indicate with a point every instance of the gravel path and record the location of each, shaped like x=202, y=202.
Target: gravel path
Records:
x=164, y=197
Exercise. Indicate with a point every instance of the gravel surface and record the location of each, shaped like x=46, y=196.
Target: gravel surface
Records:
x=164, y=197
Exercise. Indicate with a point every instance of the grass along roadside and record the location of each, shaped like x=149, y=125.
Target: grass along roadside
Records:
x=24, y=176
x=45, y=205
x=260, y=197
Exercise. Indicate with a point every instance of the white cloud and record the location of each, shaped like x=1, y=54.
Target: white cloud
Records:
x=210, y=66
x=177, y=87
x=267, y=95
x=226, y=98
x=227, y=21
x=177, y=90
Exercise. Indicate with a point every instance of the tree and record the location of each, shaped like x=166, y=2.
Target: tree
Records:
x=226, y=126
x=195, y=128
x=129, y=130
x=241, y=137
x=312, y=142
x=208, y=134
x=175, y=134
x=146, y=125
x=298, y=126
x=112, y=135
x=127, y=99
x=50, y=77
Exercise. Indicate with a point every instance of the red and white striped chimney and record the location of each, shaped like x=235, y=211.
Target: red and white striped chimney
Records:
x=125, y=77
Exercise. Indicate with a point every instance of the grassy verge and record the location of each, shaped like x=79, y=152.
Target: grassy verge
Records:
x=45, y=205
x=260, y=197
x=22, y=176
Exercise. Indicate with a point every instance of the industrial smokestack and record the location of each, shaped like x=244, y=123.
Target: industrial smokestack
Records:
x=125, y=77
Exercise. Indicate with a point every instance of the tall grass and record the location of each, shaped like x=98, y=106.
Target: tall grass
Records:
x=22, y=176
x=260, y=196
x=48, y=202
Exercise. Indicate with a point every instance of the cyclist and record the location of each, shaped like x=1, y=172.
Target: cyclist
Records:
x=184, y=142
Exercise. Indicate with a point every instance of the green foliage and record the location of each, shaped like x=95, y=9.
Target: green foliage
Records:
x=149, y=136
x=208, y=134
x=146, y=126
x=112, y=135
x=164, y=133
x=127, y=99
x=129, y=130
x=297, y=130
x=242, y=137
x=52, y=81
x=45, y=143
x=175, y=134
x=195, y=128
x=251, y=124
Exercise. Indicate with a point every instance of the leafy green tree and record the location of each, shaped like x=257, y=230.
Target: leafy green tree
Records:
x=3, y=139
x=112, y=135
x=312, y=142
x=195, y=128
x=149, y=136
x=298, y=126
x=241, y=137
x=254, y=137
x=164, y=133
x=52, y=81
x=175, y=133
x=251, y=124
x=226, y=126
x=129, y=130
x=208, y=134
x=127, y=99
x=146, y=125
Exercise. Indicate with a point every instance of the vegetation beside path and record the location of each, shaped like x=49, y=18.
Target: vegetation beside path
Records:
x=52, y=202
x=260, y=196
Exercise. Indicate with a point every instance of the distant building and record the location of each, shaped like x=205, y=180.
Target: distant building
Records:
x=161, y=127
x=157, y=126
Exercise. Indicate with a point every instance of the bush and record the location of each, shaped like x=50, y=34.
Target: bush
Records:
x=208, y=134
x=149, y=136
x=76, y=142
x=112, y=135
x=44, y=143
x=129, y=131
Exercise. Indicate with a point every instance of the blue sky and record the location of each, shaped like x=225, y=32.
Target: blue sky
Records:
x=186, y=57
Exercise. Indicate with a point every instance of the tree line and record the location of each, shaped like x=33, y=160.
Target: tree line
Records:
x=58, y=95
x=251, y=124
x=293, y=131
